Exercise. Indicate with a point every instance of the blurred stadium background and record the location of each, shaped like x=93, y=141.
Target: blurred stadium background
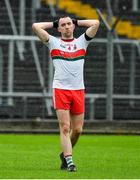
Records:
x=112, y=75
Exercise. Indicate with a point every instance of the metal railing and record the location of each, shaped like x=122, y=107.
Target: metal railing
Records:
x=47, y=94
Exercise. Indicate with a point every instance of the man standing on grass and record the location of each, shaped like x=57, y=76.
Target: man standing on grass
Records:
x=68, y=54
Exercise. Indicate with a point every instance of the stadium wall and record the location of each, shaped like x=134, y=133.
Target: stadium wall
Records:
x=37, y=126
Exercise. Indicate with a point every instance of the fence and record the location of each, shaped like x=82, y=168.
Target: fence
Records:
x=108, y=96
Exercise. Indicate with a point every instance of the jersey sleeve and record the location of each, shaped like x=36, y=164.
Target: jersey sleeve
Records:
x=51, y=42
x=84, y=43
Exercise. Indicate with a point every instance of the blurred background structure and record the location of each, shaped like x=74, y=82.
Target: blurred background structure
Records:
x=112, y=76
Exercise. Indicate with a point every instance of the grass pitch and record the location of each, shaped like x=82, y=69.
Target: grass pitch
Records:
x=96, y=156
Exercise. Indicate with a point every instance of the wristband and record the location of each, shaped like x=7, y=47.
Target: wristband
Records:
x=55, y=24
x=75, y=22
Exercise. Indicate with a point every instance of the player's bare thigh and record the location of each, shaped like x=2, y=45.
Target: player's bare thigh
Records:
x=77, y=121
x=63, y=117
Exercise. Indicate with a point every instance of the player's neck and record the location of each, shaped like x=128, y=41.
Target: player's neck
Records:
x=70, y=38
x=67, y=39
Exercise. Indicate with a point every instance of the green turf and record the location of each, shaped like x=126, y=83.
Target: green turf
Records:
x=36, y=156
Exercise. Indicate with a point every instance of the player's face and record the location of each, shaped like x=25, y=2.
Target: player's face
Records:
x=66, y=27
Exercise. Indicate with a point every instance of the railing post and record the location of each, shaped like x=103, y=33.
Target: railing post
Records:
x=110, y=14
x=40, y=76
x=109, y=70
x=52, y=9
x=10, y=71
x=25, y=107
x=35, y=5
x=13, y=25
x=1, y=73
x=22, y=22
x=92, y=109
x=132, y=73
x=135, y=5
x=110, y=65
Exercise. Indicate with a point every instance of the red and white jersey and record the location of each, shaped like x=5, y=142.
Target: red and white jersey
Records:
x=68, y=59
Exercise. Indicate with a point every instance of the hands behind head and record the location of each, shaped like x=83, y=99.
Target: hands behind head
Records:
x=55, y=24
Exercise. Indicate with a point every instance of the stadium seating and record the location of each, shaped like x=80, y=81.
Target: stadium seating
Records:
x=25, y=74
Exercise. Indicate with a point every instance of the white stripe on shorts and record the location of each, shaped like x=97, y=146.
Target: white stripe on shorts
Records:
x=54, y=102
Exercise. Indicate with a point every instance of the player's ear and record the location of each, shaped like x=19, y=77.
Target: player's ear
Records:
x=73, y=26
x=58, y=29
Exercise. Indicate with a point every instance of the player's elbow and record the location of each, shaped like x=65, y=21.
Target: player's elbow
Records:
x=34, y=27
x=96, y=23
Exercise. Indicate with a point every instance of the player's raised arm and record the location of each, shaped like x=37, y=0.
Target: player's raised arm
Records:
x=92, y=25
x=40, y=30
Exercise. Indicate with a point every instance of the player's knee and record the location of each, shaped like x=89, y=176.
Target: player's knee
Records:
x=65, y=129
x=77, y=130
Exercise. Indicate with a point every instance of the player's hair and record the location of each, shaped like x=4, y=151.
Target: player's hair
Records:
x=56, y=23
x=63, y=16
